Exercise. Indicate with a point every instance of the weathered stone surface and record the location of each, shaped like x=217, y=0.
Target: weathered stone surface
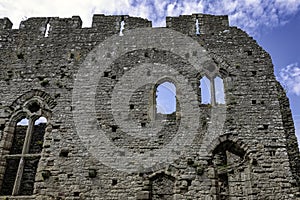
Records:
x=250, y=153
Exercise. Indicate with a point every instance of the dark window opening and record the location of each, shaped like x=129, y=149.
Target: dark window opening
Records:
x=34, y=107
x=114, y=182
x=76, y=194
x=272, y=152
x=249, y=53
x=143, y=124
x=23, y=158
x=266, y=126
x=114, y=128
x=106, y=74
x=20, y=56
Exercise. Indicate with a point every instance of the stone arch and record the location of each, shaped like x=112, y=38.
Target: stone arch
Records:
x=31, y=106
x=166, y=79
x=43, y=96
x=229, y=138
x=230, y=163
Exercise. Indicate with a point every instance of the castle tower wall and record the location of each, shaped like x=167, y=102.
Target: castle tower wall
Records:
x=244, y=148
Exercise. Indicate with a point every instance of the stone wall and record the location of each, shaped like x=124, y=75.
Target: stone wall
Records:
x=253, y=154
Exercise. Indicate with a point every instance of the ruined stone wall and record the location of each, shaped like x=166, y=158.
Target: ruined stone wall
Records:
x=252, y=154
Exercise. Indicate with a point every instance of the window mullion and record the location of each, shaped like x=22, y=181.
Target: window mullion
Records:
x=18, y=177
x=213, y=92
x=28, y=137
x=25, y=150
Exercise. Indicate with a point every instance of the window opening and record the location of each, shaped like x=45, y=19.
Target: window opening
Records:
x=219, y=89
x=205, y=90
x=166, y=98
x=22, y=161
x=212, y=91
x=122, y=24
x=47, y=30
x=197, y=27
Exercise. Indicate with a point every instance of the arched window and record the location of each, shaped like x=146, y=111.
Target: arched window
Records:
x=24, y=155
x=219, y=89
x=205, y=90
x=212, y=91
x=166, y=98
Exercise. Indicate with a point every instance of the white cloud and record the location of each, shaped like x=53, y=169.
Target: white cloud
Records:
x=250, y=15
x=290, y=78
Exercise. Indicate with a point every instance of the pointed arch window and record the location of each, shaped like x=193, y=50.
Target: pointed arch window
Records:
x=24, y=155
x=212, y=90
x=219, y=90
x=205, y=90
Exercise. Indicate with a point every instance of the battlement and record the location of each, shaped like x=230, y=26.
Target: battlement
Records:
x=5, y=23
x=188, y=24
x=200, y=23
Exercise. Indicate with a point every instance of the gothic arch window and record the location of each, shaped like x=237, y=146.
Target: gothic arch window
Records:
x=21, y=147
x=205, y=90
x=219, y=90
x=212, y=90
x=23, y=157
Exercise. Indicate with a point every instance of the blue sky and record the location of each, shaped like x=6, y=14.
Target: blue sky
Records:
x=275, y=24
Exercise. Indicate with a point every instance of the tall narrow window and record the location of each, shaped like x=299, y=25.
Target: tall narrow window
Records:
x=205, y=90
x=197, y=27
x=219, y=89
x=122, y=24
x=47, y=30
x=212, y=91
x=166, y=98
x=23, y=158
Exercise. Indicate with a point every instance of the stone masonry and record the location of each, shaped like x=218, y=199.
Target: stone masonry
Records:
x=245, y=148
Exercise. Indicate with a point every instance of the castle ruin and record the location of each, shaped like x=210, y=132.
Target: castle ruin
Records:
x=60, y=83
